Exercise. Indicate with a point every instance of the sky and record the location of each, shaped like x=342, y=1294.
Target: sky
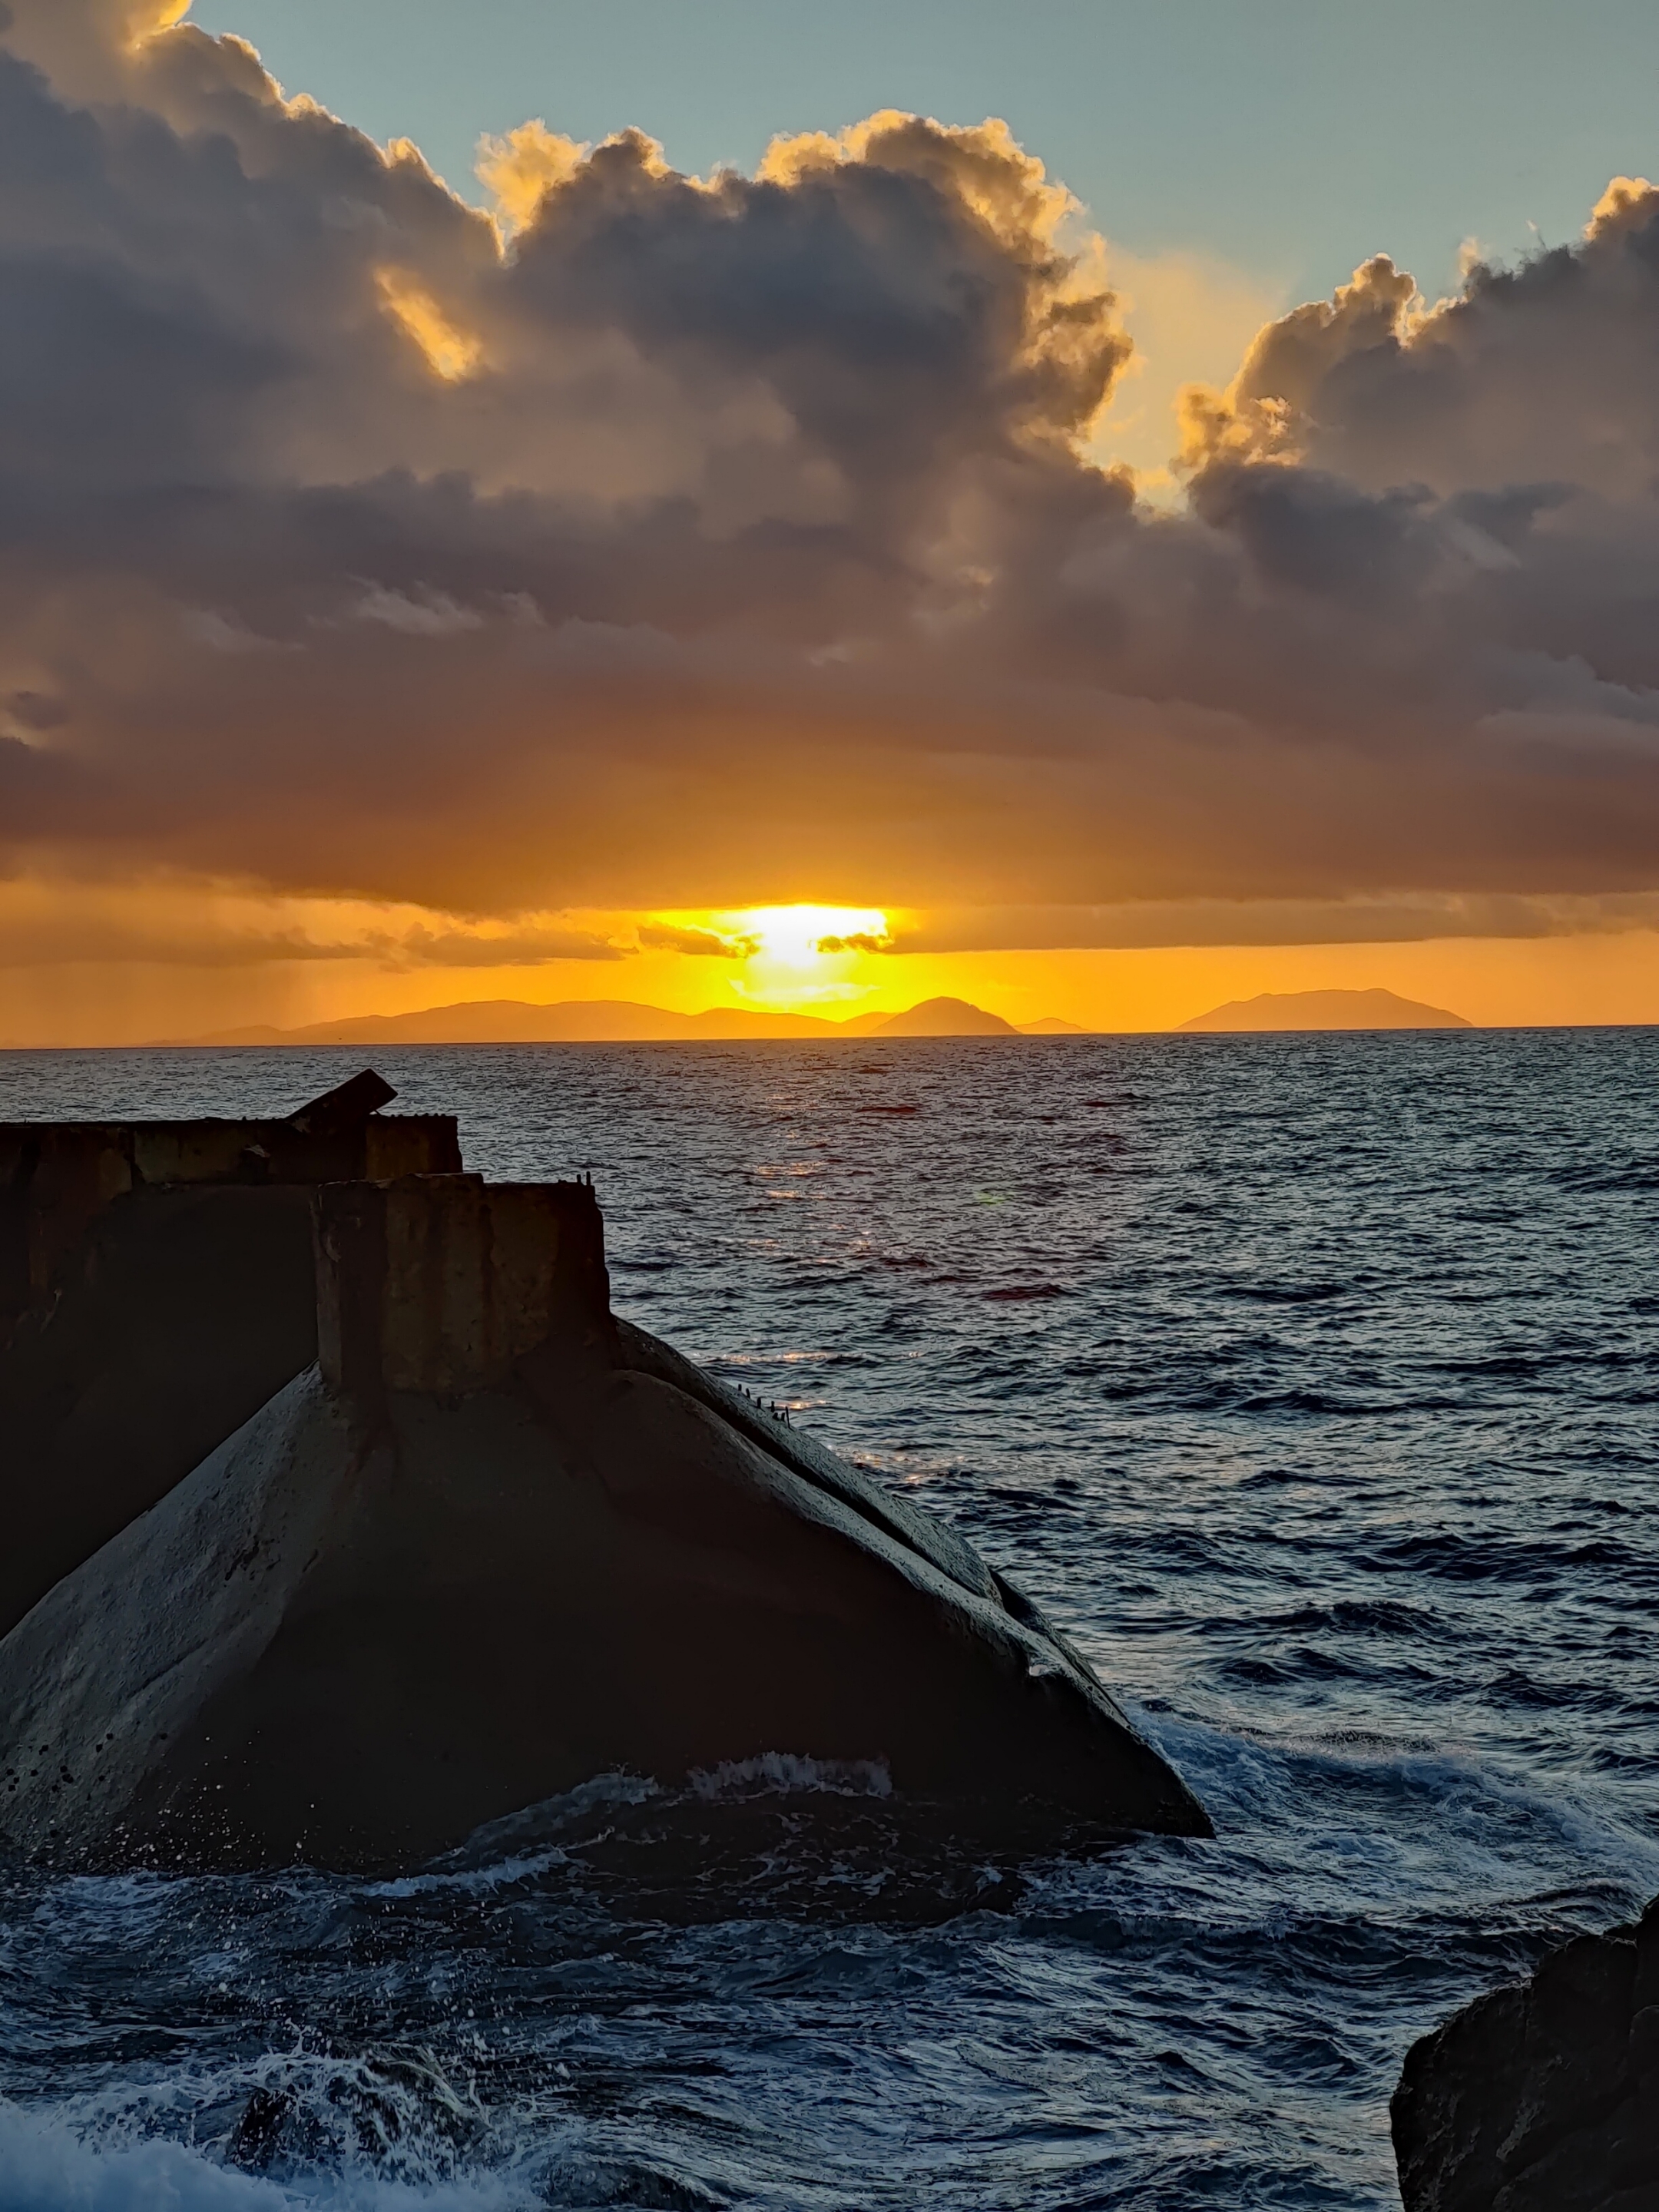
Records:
x=1238, y=157
x=525, y=500
x=1290, y=138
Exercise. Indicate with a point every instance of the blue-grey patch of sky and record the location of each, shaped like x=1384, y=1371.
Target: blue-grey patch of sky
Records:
x=1238, y=157
x=1291, y=138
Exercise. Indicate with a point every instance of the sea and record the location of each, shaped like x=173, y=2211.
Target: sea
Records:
x=1311, y=1382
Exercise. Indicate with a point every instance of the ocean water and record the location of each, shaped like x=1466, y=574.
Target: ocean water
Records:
x=1312, y=1384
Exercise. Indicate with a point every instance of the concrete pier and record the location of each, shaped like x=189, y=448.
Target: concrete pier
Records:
x=59, y=1178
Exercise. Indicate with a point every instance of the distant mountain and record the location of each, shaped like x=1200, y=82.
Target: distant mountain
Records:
x=944, y=1017
x=1326, y=1010
x=1051, y=1025
x=597, y=1021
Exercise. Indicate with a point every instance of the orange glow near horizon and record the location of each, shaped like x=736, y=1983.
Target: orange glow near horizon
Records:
x=95, y=964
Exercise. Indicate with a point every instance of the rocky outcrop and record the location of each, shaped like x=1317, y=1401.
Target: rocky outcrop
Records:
x=1544, y=2097
x=156, y=1287
x=495, y=1544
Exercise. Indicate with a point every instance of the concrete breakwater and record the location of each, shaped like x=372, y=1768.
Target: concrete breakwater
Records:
x=481, y=1541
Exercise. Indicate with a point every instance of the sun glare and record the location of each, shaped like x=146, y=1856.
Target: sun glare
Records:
x=803, y=937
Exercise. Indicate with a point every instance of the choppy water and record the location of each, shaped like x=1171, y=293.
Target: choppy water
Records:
x=1313, y=1384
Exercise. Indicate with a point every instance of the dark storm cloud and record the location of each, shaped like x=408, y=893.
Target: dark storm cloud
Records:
x=707, y=542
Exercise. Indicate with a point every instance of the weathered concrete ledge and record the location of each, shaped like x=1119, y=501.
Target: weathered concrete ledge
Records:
x=498, y=1543
x=56, y=1178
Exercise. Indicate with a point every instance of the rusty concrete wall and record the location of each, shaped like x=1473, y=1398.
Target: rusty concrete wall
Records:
x=442, y=1283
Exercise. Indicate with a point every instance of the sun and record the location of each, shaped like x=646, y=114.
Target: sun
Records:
x=803, y=937
x=781, y=958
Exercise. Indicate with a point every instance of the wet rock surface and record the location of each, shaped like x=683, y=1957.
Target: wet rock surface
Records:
x=1543, y=2097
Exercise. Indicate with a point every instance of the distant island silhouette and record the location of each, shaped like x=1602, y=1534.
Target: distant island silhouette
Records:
x=1326, y=1010
x=614, y=1021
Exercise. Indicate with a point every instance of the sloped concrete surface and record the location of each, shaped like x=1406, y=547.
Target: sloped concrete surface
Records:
x=355, y=1643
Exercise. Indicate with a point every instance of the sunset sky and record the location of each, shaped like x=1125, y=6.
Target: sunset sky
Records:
x=673, y=503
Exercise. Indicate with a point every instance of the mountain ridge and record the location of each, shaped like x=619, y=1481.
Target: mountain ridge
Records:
x=619, y=1021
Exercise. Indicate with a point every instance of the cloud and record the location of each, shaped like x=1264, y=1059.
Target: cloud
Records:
x=697, y=944
x=660, y=543
x=67, y=941
x=449, y=351
x=166, y=922
x=1538, y=375
x=859, y=940
x=521, y=169
x=1151, y=923
x=423, y=947
x=420, y=613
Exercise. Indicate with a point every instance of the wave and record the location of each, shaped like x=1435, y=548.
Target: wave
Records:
x=48, y=2166
x=49, y=2163
x=789, y=1772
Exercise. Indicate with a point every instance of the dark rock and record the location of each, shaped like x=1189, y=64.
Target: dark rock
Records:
x=496, y=1544
x=156, y=1287
x=1543, y=2097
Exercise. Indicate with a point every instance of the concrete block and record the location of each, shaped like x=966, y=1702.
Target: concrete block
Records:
x=444, y=1283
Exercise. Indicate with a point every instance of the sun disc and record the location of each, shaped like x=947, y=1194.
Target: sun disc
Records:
x=791, y=936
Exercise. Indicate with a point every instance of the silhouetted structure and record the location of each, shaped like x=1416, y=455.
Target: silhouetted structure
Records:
x=498, y=1542
x=156, y=1286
